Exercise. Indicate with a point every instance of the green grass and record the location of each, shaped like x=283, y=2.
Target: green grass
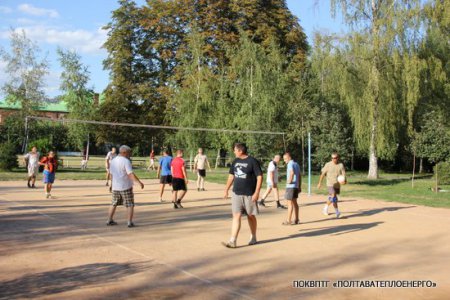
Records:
x=390, y=187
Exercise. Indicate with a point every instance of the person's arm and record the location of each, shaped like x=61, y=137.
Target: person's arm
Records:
x=272, y=177
x=209, y=166
x=194, y=169
x=158, y=172
x=133, y=176
x=228, y=185
x=255, y=196
x=291, y=176
x=320, y=180
x=183, y=169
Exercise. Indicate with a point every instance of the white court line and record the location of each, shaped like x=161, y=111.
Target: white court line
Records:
x=171, y=266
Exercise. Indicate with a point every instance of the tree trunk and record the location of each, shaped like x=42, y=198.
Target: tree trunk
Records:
x=373, y=159
x=421, y=165
x=414, y=170
x=436, y=187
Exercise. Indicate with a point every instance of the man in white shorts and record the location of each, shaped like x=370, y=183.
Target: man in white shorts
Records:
x=272, y=182
x=109, y=157
x=32, y=162
x=200, y=163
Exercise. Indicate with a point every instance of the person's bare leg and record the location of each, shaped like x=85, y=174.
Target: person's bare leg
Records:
x=130, y=213
x=276, y=194
x=269, y=189
x=252, y=223
x=161, y=190
x=296, y=210
x=112, y=210
x=174, y=196
x=182, y=194
x=289, y=212
x=199, y=178
x=235, y=226
x=202, y=182
x=49, y=187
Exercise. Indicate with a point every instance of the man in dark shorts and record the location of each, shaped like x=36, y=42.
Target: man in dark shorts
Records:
x=246, y=177
x=332, y=170
x=179, y=179
x=164, y=173
x=122, y=178
x=293, y=188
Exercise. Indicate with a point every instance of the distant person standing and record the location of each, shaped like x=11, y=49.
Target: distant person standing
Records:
x=84, y=160
x=109, y=157
x=272, y=182
x=50, y=164
x=246, y=177
x=122, y=178
x=293, y=188
x=32, y=164
x=179, y=179
x=152, y=161
x=200, y=163
x=332, y=170
x=164, y=173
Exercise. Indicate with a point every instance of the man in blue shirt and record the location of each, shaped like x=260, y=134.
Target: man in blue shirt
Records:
x=164, y=172
x=293, y=188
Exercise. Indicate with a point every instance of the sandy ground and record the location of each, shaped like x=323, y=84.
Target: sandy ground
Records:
x=61, y=249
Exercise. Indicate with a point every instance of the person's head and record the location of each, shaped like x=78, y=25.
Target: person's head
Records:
x=277, y=158
x=240, y=149
x=113, y=150
x=200, y=150
x=51, y=154
x=335, y=157
x=124, y=150
x=165, y=152
x=287, y=157
x=34, y=149
x=179, y=153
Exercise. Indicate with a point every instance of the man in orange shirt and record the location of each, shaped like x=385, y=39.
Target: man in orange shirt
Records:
x=49, y=162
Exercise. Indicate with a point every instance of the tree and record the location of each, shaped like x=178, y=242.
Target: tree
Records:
x=433, y=141
x=26, y=73
x=382, y=32
x=77, y=95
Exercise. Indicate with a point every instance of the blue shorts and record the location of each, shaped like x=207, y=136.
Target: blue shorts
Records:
x=49, y=177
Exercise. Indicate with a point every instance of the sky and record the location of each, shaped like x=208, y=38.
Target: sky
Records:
x=77, y=25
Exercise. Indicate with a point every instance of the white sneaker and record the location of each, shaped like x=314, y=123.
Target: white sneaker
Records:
x=325, y=211
x=252, y=242
x=338, y=214
x=48, y=196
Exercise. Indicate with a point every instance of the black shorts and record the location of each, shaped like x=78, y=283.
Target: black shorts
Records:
x=202, y=173
x=291, y=193
x=166, y=179
x=178, y=184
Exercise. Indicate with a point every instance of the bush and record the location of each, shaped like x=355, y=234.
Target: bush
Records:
x=443, y=172
x=8, y=157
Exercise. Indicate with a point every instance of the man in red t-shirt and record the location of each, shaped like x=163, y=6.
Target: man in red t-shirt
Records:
x=179, y=179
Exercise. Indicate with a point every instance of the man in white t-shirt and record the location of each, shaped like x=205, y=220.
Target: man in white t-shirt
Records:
x=200, y=163
x=32, y=162
x=122, y=177
x=272, y=182
x=109, y=157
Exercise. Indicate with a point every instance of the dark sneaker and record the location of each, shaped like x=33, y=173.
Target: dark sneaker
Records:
x=111, y=223
x=296, y=222
x=179, y=204
x=110, y=189
x=28, y=184
x=198, y=189
x=33, y=186
x=130, y=225
x=281, y=206
x=261, y=203
x=229, y=244
x=203, y=190
x=175, y=206
x=107, y=184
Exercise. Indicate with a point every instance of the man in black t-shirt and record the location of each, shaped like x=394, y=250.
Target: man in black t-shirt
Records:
x=246, y=174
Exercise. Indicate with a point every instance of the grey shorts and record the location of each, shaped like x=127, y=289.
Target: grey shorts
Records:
x=119, y=197
x=291, y=194
x=244, y=205
x=334, y=190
